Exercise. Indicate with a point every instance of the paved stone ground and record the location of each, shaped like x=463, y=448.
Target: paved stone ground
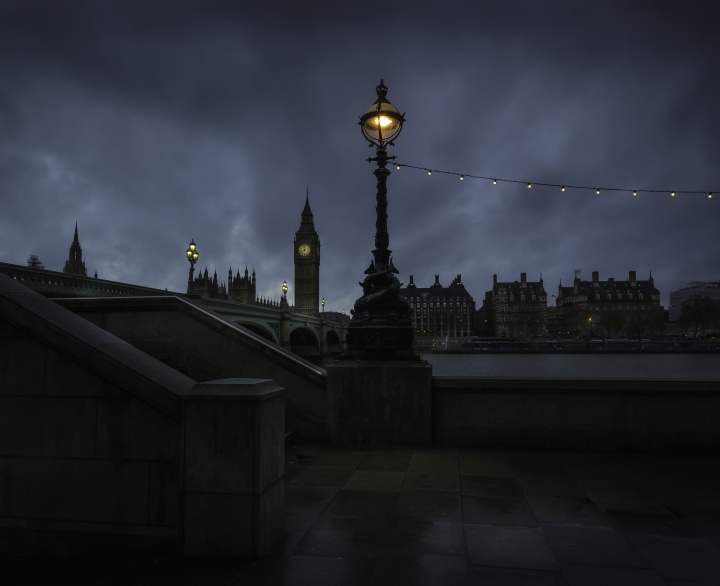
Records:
x=465, y=517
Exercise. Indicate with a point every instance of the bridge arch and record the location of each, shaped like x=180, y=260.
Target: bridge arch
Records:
x=305, y=342
x=258, y=329
x=334, y=344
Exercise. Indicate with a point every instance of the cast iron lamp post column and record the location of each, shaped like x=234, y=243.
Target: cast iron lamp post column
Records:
x=192, y=256
x=381, y=328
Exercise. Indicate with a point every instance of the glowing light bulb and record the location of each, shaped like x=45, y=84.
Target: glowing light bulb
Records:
x=672, y=194
x=494, y=181
x=709, y=195
x=529, y=185
x=635, y=193
x=397, y=167
x=562, y=188
x=429, y=172
x=462, y=177
x=381, y=121
x=597, y=191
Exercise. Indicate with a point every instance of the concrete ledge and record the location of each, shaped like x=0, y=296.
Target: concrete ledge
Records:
x=90, y=346
x=234, y=467
x=654, y=416
x=197, y=338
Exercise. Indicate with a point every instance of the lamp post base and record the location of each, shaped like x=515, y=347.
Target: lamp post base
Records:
x=379, y=403
x=380, y=339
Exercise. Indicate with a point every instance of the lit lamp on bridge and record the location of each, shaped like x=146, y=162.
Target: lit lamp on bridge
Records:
x=381, y=326
x=283, y=300
x=192, y=256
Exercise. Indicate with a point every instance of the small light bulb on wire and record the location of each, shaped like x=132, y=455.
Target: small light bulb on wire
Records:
x=529, y=185
x=494, y=181
x=562, y=188
x=462, y=177
x=429, y=172
x=597, y=191
x=634, y=192
x=672, y=194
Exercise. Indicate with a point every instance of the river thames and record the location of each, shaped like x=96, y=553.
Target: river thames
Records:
x=578, y=366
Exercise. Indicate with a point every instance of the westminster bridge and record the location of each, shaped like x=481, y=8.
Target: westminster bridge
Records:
x=313, y=337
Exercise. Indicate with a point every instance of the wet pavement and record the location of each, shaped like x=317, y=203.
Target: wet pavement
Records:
x=463, y=516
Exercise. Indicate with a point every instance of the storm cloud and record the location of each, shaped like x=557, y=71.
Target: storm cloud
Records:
x=151, y=123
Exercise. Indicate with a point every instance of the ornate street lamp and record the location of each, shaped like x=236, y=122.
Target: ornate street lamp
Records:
x=283, y=299
x=381, y=328
x=192, y=256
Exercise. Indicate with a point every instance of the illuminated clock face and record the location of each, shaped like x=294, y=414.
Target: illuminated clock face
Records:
x=304, y=249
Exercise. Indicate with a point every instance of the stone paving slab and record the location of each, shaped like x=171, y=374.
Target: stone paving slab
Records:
x=460, y=516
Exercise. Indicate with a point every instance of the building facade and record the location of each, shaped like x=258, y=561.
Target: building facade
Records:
x=239, y=288
x=694, y=290
x=306, y=254
x=441, y=311
x=610, y=309
x=515, y=310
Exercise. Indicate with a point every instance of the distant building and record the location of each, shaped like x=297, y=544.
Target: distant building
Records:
x=515, y=310
x=694, y=290
x=75, y=265
x=35, y=262
x=441, y=311
x=336, y=317
x=239, y=288
x=625, y=309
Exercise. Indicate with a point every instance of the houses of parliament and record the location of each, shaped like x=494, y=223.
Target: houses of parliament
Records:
x=510, y=309
x=241, y=287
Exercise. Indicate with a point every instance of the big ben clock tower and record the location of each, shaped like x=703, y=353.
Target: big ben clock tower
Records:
x=307, y=264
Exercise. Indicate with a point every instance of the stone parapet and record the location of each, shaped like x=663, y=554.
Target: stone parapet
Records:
x=234, y=467
x=641, y=415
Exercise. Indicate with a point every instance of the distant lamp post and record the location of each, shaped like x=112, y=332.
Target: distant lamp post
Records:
x=283, y=300
x=323, y=304
x=381, y=327
x=192, y=256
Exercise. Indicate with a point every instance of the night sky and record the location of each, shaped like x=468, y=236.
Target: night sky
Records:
x=153, y=122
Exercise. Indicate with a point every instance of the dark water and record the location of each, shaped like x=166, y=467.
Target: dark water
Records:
x=574, y=366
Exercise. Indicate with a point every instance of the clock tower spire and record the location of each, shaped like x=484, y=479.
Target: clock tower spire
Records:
x=307, y=263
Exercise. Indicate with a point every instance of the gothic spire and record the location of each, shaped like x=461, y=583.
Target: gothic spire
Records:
x=307, y=215
x=75, y=265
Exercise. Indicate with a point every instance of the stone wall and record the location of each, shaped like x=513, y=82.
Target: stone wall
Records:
x=651, y=416
x=103, y=449
x=205, y=346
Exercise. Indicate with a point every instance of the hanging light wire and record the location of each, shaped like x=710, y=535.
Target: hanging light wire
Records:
x=563, y=187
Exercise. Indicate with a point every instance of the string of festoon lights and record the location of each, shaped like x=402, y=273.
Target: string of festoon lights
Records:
x=560, y=186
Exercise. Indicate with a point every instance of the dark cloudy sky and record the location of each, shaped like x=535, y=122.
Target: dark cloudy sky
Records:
x=153, y=122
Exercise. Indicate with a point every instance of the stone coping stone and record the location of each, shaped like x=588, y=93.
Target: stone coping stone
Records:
x=234, y=389
x=589, y=386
